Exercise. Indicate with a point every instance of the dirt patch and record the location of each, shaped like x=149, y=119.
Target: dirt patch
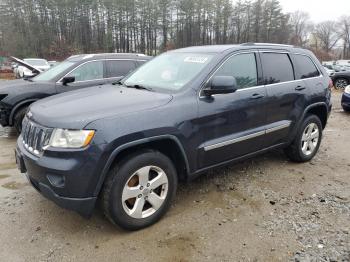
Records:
x=14, y=185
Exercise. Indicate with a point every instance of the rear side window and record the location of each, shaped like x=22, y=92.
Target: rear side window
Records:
x=116, y=68
x=304, y=67
x=243, y=68
x=277, y=68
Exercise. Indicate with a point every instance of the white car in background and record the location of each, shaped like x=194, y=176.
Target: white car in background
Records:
x=40, y=64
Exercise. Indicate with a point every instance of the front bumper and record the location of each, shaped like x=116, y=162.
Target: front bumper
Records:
x=345, y=101
x=66, y=178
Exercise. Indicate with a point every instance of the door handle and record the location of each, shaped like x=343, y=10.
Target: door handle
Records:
x=257, y=96
x=300, y=88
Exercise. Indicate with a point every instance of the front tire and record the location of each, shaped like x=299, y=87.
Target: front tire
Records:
x=307, y=141
x=18, y=119
x=138, y=191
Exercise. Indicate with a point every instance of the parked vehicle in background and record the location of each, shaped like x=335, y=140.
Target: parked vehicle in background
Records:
x=330, y=72
x=76, y=72
x=179, y=115
x=341, y=79
x=345, y=100
x=23, y=71
x=53, y=63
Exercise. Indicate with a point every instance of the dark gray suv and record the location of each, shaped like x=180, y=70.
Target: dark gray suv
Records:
x=182, y=113
x=79, y=71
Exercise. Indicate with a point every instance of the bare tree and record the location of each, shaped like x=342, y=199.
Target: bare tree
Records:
x=327, y=34
x=344, y=32
x=301, y=27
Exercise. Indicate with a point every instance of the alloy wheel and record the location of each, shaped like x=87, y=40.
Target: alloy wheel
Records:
x=341, y=83
x=310, y=139
x=145, y=192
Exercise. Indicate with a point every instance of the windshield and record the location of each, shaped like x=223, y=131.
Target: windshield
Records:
x=169, y=71
x=36, y=62
x=53, y=72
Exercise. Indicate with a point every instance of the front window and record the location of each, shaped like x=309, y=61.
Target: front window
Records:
x=243, y=68
x=88, y=71
x=170, y=71
x=52, y=73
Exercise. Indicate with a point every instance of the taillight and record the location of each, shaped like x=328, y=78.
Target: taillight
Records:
x=330, y=85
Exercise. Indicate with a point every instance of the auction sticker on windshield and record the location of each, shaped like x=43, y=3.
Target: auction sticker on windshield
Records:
x=196, y=59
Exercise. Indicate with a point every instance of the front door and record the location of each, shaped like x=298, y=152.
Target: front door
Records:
x=232, y=125
x=88, y=74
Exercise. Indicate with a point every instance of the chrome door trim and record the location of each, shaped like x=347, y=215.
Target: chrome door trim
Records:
x=233, y=141
x=273, y=129
x=246, y=137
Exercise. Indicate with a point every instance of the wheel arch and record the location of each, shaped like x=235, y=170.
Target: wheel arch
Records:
x=320, y=110
x=169, y=145
x=17, y=107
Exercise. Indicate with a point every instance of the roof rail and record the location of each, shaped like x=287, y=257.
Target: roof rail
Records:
x=266, y=44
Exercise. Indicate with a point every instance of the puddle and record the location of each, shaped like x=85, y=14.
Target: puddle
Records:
x=8, y=166
x=14, y=185
x=4, y=176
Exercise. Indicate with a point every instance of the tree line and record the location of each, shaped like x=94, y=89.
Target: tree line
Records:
x=58, y=28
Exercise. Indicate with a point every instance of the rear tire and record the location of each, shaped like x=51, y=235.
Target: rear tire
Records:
x=138, y=191
x=307, y=141
x=18, y=119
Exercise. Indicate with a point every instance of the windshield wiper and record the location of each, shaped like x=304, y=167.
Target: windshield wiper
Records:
x=140, y=87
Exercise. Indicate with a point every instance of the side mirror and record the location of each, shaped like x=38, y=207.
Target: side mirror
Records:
x=221, y=85
x=68, y=79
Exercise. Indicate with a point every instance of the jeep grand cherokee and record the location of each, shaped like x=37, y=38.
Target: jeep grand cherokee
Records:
x=177, y=116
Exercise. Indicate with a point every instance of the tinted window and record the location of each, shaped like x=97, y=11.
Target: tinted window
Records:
x=88, y=71
x=242, y=67
x=305, y=68
x=277, y=68
x=117, y=68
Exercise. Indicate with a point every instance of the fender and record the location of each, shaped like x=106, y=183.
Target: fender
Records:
x=304, y=114
x=116, y=151
x=13, y=111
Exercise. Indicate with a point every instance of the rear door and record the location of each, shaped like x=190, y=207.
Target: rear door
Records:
x=232, y=125
x=286, y=96
x=117, y=69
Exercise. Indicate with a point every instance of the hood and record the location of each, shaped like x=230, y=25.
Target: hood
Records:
x=20, y=88
x=35, y=69
x=74, y=110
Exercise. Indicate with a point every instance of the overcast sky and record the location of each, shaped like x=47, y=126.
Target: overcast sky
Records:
x=319, y=10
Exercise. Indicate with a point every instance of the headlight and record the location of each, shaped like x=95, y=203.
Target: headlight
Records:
x=64, y=138
x=347, y=89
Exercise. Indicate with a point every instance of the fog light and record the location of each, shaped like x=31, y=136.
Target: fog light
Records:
x=56, y=180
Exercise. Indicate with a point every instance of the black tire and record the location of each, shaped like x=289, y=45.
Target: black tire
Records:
x=346, y=109
x=18, y=119
x=341, y=83
x=119, y=176
x=294, y=150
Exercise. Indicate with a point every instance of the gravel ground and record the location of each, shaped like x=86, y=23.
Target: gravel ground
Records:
x=263, y=209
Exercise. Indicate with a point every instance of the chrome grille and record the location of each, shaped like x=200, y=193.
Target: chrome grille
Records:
x=35, y=137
